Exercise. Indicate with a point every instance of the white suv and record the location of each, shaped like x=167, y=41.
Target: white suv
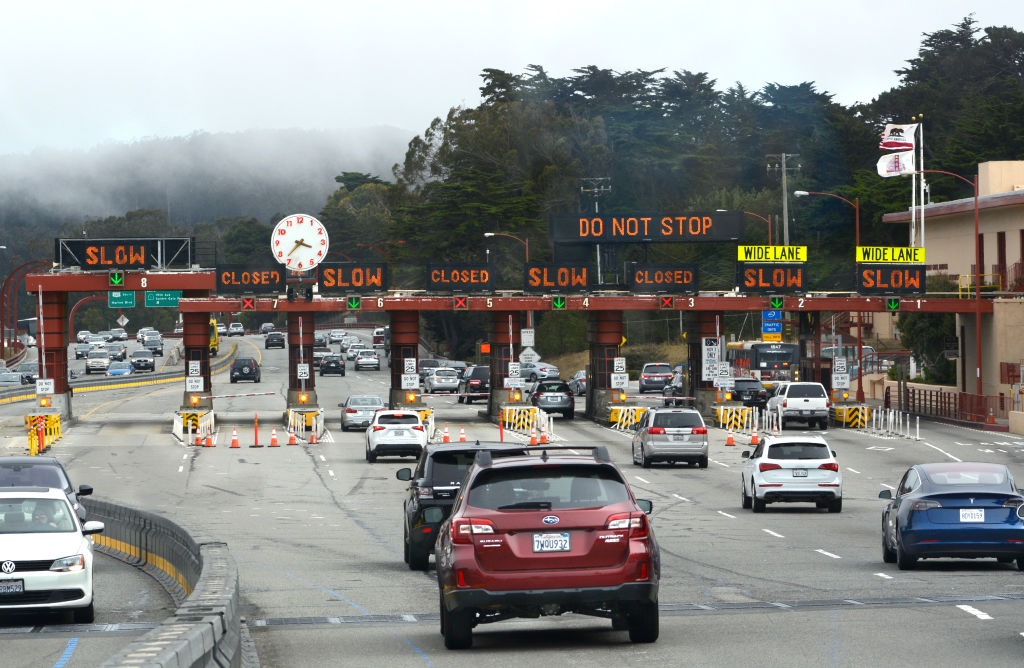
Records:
x=800, y=402
x=791, y=468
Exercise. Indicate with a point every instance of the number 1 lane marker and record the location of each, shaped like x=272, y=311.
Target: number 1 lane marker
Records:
x=974, y=611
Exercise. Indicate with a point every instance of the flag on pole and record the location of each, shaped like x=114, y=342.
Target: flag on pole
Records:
x=898, y=136
x=896, y=164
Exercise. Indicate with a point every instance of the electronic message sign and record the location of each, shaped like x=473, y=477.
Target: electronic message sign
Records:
x=771, y=253
x=349, y=276
x=770, y=278
x=239, y=278
x=459, y=278
x=899, y=254
x=108, y=254
x=668, y=227
x=890, y=279
x=675, y=278
x=545, y=278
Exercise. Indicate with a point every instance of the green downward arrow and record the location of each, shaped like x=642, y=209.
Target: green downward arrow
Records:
x=116, y=278
x=892, y=304
x=558, y=303
x=776, y=302
x=353, y=302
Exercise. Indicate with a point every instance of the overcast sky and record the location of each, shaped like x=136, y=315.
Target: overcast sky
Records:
x=76, y=74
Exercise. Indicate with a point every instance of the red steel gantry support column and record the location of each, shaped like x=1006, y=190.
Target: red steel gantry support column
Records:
x=195, y=340
x=52, y=339
x=405, y=344
x=301, y=350
x=605, y=334
x=505, y=344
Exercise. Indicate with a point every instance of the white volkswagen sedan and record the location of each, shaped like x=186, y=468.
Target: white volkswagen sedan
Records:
x=45, y=554
x=792, y=468
x=398, y=433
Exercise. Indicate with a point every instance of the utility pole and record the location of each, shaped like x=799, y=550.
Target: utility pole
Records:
x=597, y=186
x=777, y=163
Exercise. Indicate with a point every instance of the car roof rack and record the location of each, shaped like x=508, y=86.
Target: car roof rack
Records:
x=484, y=458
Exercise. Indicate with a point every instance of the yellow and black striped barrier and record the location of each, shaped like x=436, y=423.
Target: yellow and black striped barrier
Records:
x=624, y=417
x=519, y=418
x=736, y=417
x=43, y=431
x=855, y=417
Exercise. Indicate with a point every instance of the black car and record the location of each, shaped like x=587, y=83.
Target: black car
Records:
x=274, y=340
x=29, y=371
x=245, y=368
x=41, y=471
x=82, y=350
x=143, y=359
x=677, y=391
x=475, y=383
x=332, y=364
x=751, y=392
x=432, y=490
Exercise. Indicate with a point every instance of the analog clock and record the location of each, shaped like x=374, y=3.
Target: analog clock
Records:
x=299, y=242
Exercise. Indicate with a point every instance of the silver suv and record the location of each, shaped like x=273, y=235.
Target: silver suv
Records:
x=671, y=435
x=98, y=360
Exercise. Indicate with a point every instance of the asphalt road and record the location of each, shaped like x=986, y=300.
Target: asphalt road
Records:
x=317, y=535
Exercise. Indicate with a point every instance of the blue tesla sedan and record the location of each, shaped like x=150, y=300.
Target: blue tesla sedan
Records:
x=962, y=510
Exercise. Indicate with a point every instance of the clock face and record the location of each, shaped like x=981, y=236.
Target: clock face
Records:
x=299, y=242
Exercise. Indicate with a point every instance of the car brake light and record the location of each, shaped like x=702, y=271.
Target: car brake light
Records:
x=1013, y=503
x=418, y=427
x=425, y=492
x=644, y=376
x=350, y=410
x=474, y=382
x=656, y=430
x=926, y=504
x=784, y=402
x=462, y=529
x=767, y=466
x=827, y=403
x=538, y=393
x=699, y=430
x=635, y=522
x=569, y=392
x=377, y=427
x=830, y=466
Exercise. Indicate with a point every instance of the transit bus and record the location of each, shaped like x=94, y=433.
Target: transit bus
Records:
x=214, y=338
x=764, y=360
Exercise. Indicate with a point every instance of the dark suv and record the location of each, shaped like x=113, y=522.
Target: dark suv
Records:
x=433, y=487
x=751, y=392
x=274, y=340
x=553, y=396
x=547, y=533
x=245, y=368
x=475, y=383
x=677, y=391
x=42, y=471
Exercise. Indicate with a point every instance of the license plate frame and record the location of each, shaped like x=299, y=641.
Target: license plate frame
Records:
x=559, y=542
x=799, y=473
x=972, y=514
x=12, y=587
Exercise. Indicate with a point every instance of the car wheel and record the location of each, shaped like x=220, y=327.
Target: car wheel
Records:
x=457, y=628
x=405, y=544
x=370, y=456
x=643, y=622
x=234, y=380
x=744, y=499
x=644, y=459
x=703, y=463
x=759, y=505
x=1020, y=563
x=418, y=559
x=904, y=561
x=469, y=400
x=888, y=554
x=570, y=415
x=835, y=506
x=823, y=424
x=84, y=615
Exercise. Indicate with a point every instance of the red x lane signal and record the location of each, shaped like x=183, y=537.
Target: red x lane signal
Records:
x=248, y=303
x=459, y=303
x=667, y=302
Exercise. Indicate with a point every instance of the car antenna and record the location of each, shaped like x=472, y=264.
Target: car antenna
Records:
x=544, y=456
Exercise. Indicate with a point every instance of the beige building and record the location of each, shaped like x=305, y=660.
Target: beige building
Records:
x=949, y=241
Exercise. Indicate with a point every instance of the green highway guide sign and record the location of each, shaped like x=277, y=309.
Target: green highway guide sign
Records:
x=121, y=299
x=168, y=298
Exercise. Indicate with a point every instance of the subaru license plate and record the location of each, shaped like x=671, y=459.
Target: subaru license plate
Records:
x=799, y=473
x=551, y=542
x=12, y=586
x=972, y=514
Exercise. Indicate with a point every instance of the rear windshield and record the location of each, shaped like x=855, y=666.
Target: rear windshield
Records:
x=480, y=372
x=969, y=476
x=676, y=420
x=429, y=363
x=547, y=488
x=449, y=468
x=398, y=419
x=802, y=391
x=748, y=385
x=365, y=401
x=446, y=373
x=657, y=368
x=798, y=451
x=559, y=386
x=28, y=475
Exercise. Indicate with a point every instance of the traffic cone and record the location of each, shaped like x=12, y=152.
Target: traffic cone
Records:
x=991, y=418
x=445, y=438
x=775, y=427
x=462, y=434
x=533, y=434
x=753, y=437
x=543, y=432
x=273, y=438
x=291, y=436
x=312, y=437
x=199, y=438
x=234, y=437
x=728, y=439
x=209, y=440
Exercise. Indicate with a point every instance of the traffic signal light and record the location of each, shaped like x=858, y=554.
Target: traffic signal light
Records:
x=410, y=397
x=303, y=398
x=515, y=395
x=558, y=303
x=45, y=401
x=115, y=278
x=667, y=302
x=776, y=302
x=459, y=303
x=291, y=294
x=892, y=304
x=309, y=293
x=193, y=400
x=354, y=303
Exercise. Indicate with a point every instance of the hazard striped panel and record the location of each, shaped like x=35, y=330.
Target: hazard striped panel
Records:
x=737, y=417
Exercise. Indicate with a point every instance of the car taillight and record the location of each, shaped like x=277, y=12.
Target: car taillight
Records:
x=474, y=382
x=418, y=427
x=377, y=427
x=699, y=430
x=830, y=466
x=784, y=402
x=463, y=529
x=767, y=466
x=1013, y=503
x=827, y=403
x=425, y=492
x=569, y=392
x=538, y=394
x=635, y=522
x=656, y=430
x=927, y=504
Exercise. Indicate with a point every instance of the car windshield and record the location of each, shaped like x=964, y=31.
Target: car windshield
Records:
x=332, y=358
x=245, y=361
x=959, y=474
x=553, y=387
x=547, y=487
x=114, y=366
x=365, y=401
x=27, y=367
x=812, y=390
x=798, y=451
x=677, y=420
x=10, y=377
x=32, y=475
x=97, y=354
x=403, y=418
x=142, y=353
x=657, y=368
x=33, y=515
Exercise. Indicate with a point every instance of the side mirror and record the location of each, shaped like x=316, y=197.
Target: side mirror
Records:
x=84, y=490
x=885, y=494
x=341, y=405
x=404, y=473
x=834, y=454
x=745, y=454
x=90, y=528
x=645, y=505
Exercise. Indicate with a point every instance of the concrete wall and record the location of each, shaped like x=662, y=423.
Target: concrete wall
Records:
x=1000, y=176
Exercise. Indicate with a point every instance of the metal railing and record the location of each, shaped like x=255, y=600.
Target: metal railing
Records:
x=950, y=405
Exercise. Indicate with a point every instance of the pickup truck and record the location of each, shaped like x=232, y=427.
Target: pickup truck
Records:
x=800, y=402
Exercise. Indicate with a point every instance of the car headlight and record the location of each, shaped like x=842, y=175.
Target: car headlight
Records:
x=68, y=564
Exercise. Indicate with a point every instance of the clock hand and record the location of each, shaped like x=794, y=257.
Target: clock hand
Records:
x=303, y=242
x=296, y=246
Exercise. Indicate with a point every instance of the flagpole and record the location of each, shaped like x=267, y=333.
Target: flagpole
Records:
x=920, y=165
x=913, y=208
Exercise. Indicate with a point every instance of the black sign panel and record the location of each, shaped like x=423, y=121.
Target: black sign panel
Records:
x=680, y=279
x=668, y=227
x=123, y=253
x=459, y=278
x=353, y=277
x=547, y=278
x=890, y=279
x=240, y=278
x=771, y=277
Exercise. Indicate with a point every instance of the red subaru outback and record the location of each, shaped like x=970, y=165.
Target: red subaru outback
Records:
x=547, y=533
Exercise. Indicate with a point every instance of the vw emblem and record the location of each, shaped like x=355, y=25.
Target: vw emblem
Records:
x=550, y=519
x=8, y=566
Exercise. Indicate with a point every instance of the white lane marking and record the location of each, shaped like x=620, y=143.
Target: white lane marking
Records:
x=732, y=517
x=721, y=464
x=330, y=472
x=888, y=486
x=829, y=554
x=185, y=456
x=181, y=468
x=851, y=469
x=955, y=459
x=322, y=458
x=974, y=611
x=1003, y=451
x=681, y=498
x=884, y=576
x=772, y=533
x=646, y=482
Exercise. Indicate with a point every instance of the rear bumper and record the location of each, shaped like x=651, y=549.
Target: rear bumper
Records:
x=529, y=599
x=807, y=495
x=957, y=542
x=656, y=451
x=804, y=414
x=397, y=449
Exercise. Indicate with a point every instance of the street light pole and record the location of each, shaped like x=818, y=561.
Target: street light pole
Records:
x=526, y=244
x=767, y=220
